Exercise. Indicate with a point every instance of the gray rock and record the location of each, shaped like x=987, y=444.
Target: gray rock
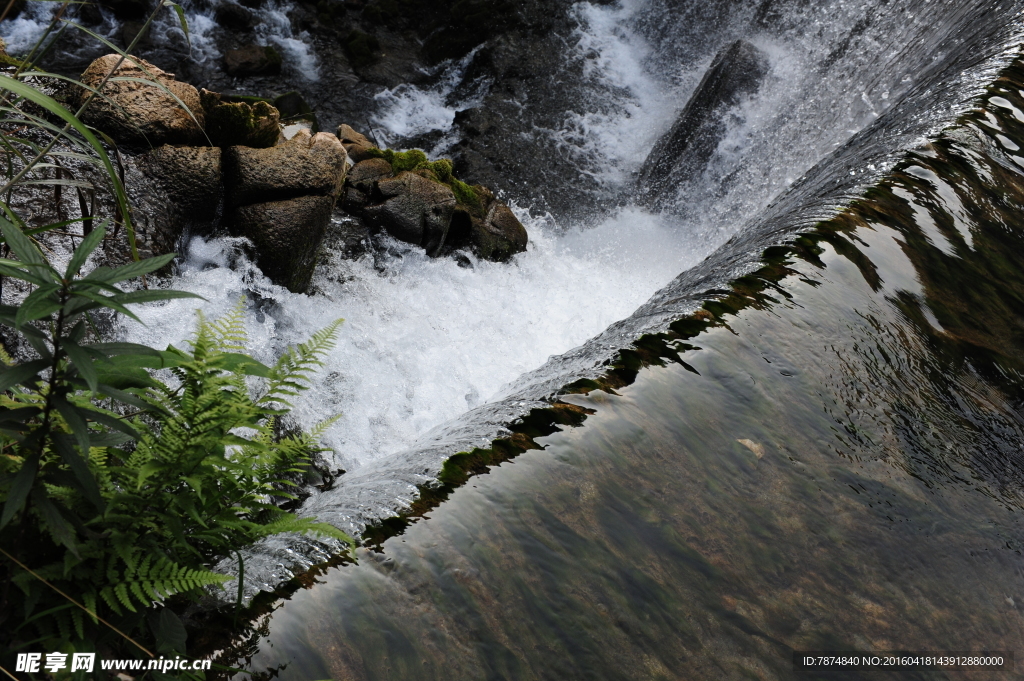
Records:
x=356, y=144
x=286, y=235
x=365, y=175
x=138, y=113
x=683, y=152
x=184, y=187
x=304, y=165
x=415, y=210
x=236, y=17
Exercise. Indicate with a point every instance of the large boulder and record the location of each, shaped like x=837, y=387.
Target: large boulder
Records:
x=683, y=152
x=415, y=209
x=487, y=227
x=183, y=191
x=139, y=113
x=281, y=199
x=305, y=165
x=286, y=235
x=240, y=123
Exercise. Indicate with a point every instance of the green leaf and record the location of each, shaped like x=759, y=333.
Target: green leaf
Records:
x=151, y=295
x=20, y=489
x=170, y=633
x=105, y=301
x=116, y=349
x=135, y=269
x=77, y=421
x=127, y=372
x=11, y=376
x=50, y=105
x=20, y=244
x=83, y=251
x=243, y=364
x=114, y=423
x=40, y=303
x=82, y=361
x=62, y=443
x=55, y=522
x=181, y=19
x=128, y=398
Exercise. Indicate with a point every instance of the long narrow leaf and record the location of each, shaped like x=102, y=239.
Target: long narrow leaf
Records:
x=81, y=360
x=83, y=251
x=65, y=447
x=20, y=489
x=51, y=105
x=11, y=376
x=40, y=303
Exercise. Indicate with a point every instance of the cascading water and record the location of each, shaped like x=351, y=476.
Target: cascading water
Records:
x=436, y=358
x=429, y=356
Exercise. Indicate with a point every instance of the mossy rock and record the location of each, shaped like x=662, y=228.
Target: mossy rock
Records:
x=479, y=222
x=362, y=49
x=240, y=123
x=472, y=198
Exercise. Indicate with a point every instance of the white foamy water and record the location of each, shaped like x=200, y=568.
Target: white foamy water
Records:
x=22, y=33
x=407, y=111
x=612, y=135
x=424, y=339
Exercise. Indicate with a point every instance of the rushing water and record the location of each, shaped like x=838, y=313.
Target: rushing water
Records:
x=840, y=468
x=834, y=464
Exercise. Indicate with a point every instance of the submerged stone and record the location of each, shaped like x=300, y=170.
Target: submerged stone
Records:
x=286, y=236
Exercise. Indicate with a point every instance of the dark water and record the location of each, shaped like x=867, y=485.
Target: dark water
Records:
x=837, y=462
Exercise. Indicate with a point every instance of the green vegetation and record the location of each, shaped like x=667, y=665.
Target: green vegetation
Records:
x=126, y=472
x=250, y=124
x=440, y=170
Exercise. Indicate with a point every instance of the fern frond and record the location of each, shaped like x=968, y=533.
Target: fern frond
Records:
x=228, y=331
x=291, y=374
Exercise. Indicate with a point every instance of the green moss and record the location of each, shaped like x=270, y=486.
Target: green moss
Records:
x=7, y=60
x=415, y=159
x=467, y=196
x=254, y=124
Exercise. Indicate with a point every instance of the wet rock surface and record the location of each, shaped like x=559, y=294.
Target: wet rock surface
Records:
x=185, y=187
x=230, y=123
x=683, y=152
x=421, y=202
x=286, y=236
x=414, y=209
x=304, y=165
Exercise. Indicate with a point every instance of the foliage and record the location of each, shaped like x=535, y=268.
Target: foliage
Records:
x=122, y=511
x=120, y=487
